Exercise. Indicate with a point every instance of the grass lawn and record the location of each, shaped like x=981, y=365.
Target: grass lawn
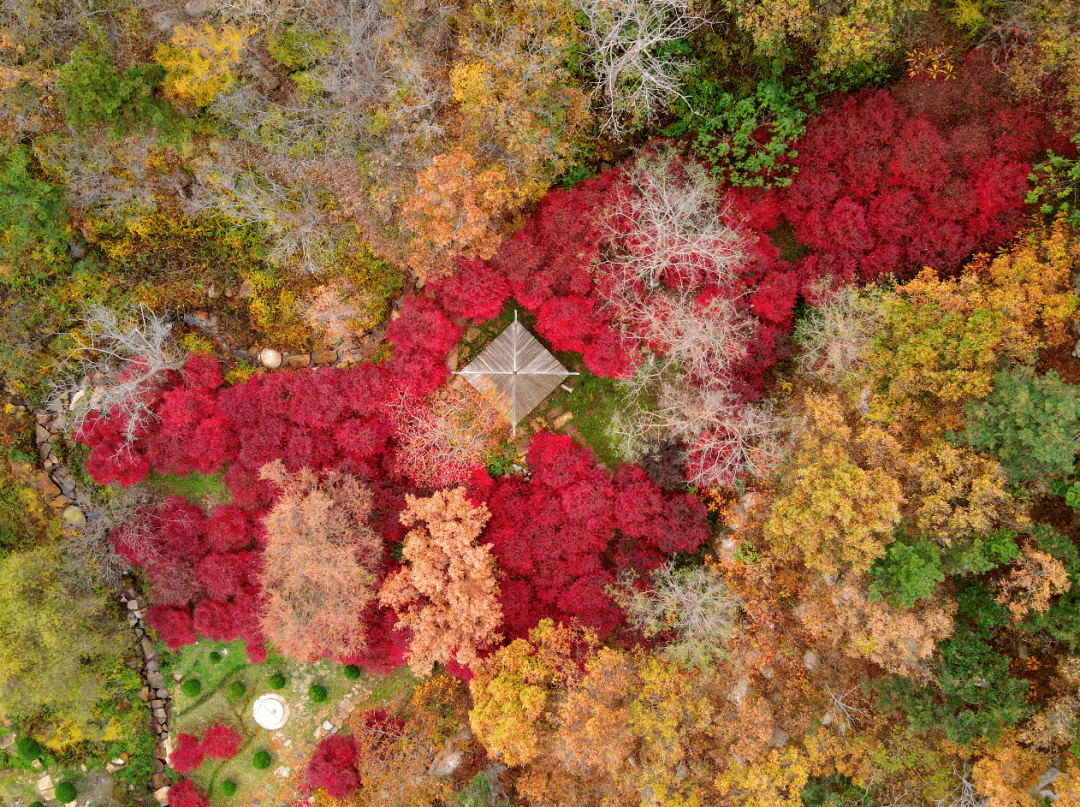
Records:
x=290, y=746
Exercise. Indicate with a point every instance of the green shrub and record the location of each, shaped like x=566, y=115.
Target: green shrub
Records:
x=35, y=804
x=215, y=657
x=66, y=792
x=191, y=687
x=975, y=555
x=1028, y=423
x=298, y=46
x=352, y=672
x=227, y=788
x=236, y=690
x=27, y=748
x=1056, y=186
x=95, y=93
x=974, y=695
x=317, y=693
x=907, y=573
x=33, y=223
x=261, y=761
x=277, y=680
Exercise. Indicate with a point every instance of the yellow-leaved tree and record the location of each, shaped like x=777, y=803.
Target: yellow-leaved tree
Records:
x=199, y=61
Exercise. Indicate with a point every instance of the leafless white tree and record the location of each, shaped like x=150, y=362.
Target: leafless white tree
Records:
x=695, y=603
x=632, y=73
x=964, y=792
x=130, y=352
x=88, y=550
x=291, y=210
x=667, y=221
x=111, y=180
x=835, y=337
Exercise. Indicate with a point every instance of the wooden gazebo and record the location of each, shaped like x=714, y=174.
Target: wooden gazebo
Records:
x=515, y=372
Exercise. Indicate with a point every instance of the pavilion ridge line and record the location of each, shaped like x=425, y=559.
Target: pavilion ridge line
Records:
x=515, y=372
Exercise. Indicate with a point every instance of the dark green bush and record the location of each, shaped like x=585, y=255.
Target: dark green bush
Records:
x=1056, y=186
x=1028, y=423
x=352, y=672
x=66, y=792
x=95, y=93
x=907, y=573
x=236, y=690
x=28, y=748
x=261, y=761
x=33, y=224
x=277, y=680
x=35, y=804
x=215, y=657
x=317, y=693
x=191, y=687
x=227, y=788
x=974, y=695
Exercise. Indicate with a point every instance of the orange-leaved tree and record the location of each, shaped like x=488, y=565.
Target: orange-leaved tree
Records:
x=447, y=594
x=320, y=566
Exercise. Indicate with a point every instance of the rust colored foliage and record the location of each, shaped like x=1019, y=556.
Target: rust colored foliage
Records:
x=565, y=535
x=447, y=595
x=320, y=565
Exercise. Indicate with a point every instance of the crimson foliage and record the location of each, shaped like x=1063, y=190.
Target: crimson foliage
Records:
x=185, y=794
x=188, y=754
x=333, y=767
x=564, y=535
x=925, y=174
x=221, y=741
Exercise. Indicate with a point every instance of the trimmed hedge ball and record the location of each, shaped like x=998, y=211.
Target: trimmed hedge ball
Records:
x=28, y=748
x=317, y=693
x=191, y=687
x=236, y=690
x=261, y=760
x=352, y=672
x=66, y=792
x=35, y=804
x=227, y=788
x=277, y=680
x=215, y=657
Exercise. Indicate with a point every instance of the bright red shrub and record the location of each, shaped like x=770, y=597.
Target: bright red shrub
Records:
x=188, y=754
x=221, y=741
x=564, y=535
x=924, y=174
x=215, y=620
x=203, y=370
x=332, y=767
x=185, y=794
x=224, y=575
x=256, y=653
x=228, y=529
x=174, y=625
x=476, y=291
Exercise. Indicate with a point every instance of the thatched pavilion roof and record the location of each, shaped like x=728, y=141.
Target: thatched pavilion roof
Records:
x=515, y=372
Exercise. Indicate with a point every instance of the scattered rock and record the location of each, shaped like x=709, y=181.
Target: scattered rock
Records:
x=44, y=783
x=323, y=357
x=811, y=660
x=41, y=434
x=166, y=20
x=7, y=741
x=739, y=691
x=1043, y=789
x=133, y=605
x=453, y=359
x=445, y=763
x=471, y=334
x=327, y=725
x=161, y=795
x=195, y=8
x=144, y=694
x=76, y=249
x=60, y=501
x=562, y=420
x=74, y=516
x=554, y=413
x=43, y=483
x=779, y=738
x=270, y=358
x=282, y=772
x=245, y=290
x=298, y=361
x=163, y=693
x=212, y=291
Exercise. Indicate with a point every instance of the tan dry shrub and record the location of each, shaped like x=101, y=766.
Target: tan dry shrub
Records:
x=319, y=565
x=447, y=594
